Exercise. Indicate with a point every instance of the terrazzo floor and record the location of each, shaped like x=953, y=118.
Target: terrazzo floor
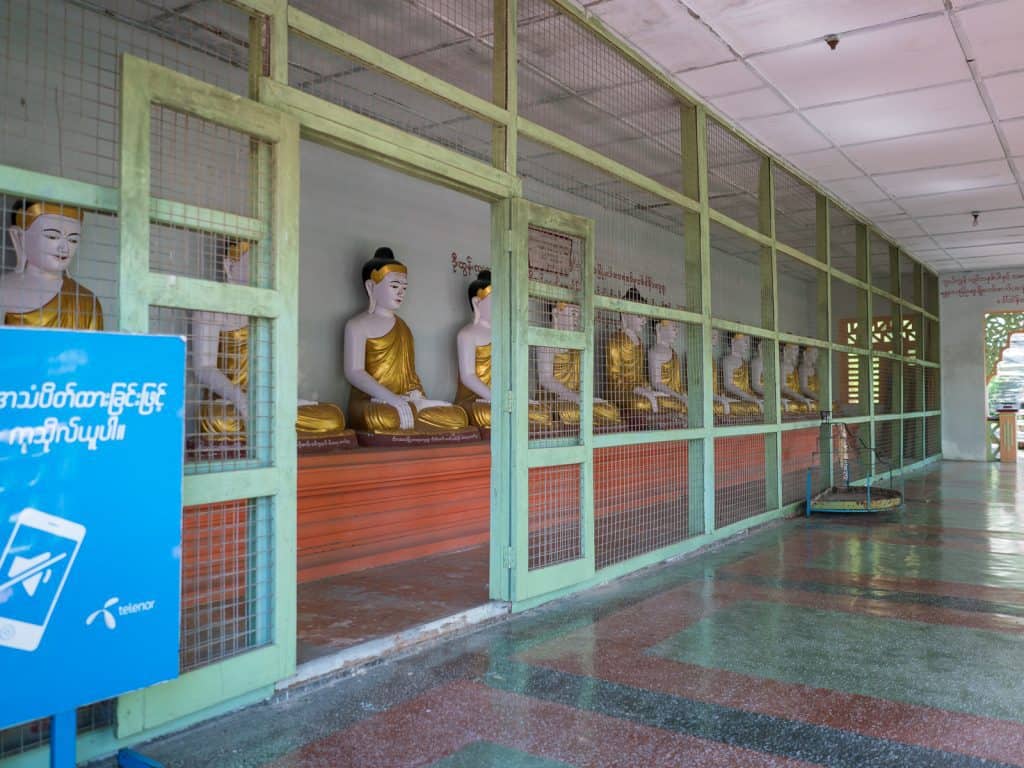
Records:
x=894, y=640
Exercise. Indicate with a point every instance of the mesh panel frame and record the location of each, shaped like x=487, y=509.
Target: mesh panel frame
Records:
x=554, y=516
x=734, y=177
x=801, y=453
x=796, y=213
x=740, y=487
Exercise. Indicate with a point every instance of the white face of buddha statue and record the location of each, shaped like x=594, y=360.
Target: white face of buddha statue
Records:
x=236, y=267
x=482, y=308
x=565, y=317
x=49, y=243
x=790, y=352
x=740, y=345
x=811, y=356
x=389, y=293
x=633, y=323
x=666, y=331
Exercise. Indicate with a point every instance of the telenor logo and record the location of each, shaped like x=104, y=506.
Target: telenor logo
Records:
x=108, y=617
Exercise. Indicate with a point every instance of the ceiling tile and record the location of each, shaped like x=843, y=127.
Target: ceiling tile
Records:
x=901, y=228
x=762, y=25
x=887, y=117
x=963, y=201
x=665, y=32
x=763, y=101
x=1014, y=132
x=914, y=244
x=720, y=79
x=945, y=265
x=825, y=165
x=878, y=209
x=981, y=251
x=982, y=237
x=786, y=133
x=1007, y=92
x=867, y=64
x=858, y=190
x=994, y=33
x=940, y=225
x=932, y=181
x=959, y=145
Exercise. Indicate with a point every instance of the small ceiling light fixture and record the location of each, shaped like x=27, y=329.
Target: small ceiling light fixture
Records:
x=974, y=218
x=832, y=41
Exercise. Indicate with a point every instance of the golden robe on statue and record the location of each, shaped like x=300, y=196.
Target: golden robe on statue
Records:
x=626, y=370
x=566, y=371
x=479, y=413
x=672, y=377
x=391, y=360
x=790, y=406
x=220, y=422
x=741, y=381
x=74, y=306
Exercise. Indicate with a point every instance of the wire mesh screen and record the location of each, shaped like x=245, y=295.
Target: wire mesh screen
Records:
x=59, y=71
x=885, y=379
x=910, y=279
x=325, y=74
x=843, y=243
x=46, y=235
x=36, y=733
x=888, y=445
x=913, y=388
x=735, y=177
x=802, y=298
x=555, y=522
x=640, y=370
x=796, y=213
x=572, y=82
x=932, y=436
x=739, y=291
x=912, y=326
x=801, y=453
x=930, y=290
x=226, y=580
x=450, y=39
x=931, y=340
x=640, y=240
x=229, y=395
x=642, y=500
x=740, y=489
x=851, y=387
x=932, y=390
x=882, y=275
x=801, y=379
x=884, y=323
x=851, y=453
x=913, y=440
x=850, y=313
x=740, y=363
x=557, y=376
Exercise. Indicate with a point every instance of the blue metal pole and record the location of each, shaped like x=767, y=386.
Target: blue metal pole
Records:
x=63, y=731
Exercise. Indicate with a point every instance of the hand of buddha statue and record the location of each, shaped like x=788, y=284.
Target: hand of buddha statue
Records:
x=406, y=419
x=648, y=395
x=421, y=402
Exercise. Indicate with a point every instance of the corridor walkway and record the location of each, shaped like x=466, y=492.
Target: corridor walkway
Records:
x=862, y=642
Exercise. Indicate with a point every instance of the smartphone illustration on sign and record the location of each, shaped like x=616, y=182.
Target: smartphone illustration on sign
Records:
x=34, y=566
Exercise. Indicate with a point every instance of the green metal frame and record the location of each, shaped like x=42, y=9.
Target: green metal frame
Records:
x=144, y=84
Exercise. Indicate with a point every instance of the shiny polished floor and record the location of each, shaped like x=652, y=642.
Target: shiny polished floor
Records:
x=835, y=641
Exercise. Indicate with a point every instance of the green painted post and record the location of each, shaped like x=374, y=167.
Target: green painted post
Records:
x=770, y=320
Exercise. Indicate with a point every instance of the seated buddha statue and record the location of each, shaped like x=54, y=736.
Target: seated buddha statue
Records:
x=721, y=405
x=559, y=372
x=736, y=378
x=473, y=345
x=807, y=375
x=39, y=293
x=793, y=403
x=220, y=359
x=626, y=375
x=387, y=397
x=665, y=366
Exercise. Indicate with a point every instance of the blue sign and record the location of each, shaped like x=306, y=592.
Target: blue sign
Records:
x=91, y=442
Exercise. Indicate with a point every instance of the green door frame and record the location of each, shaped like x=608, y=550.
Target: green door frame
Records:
x=271, y=478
